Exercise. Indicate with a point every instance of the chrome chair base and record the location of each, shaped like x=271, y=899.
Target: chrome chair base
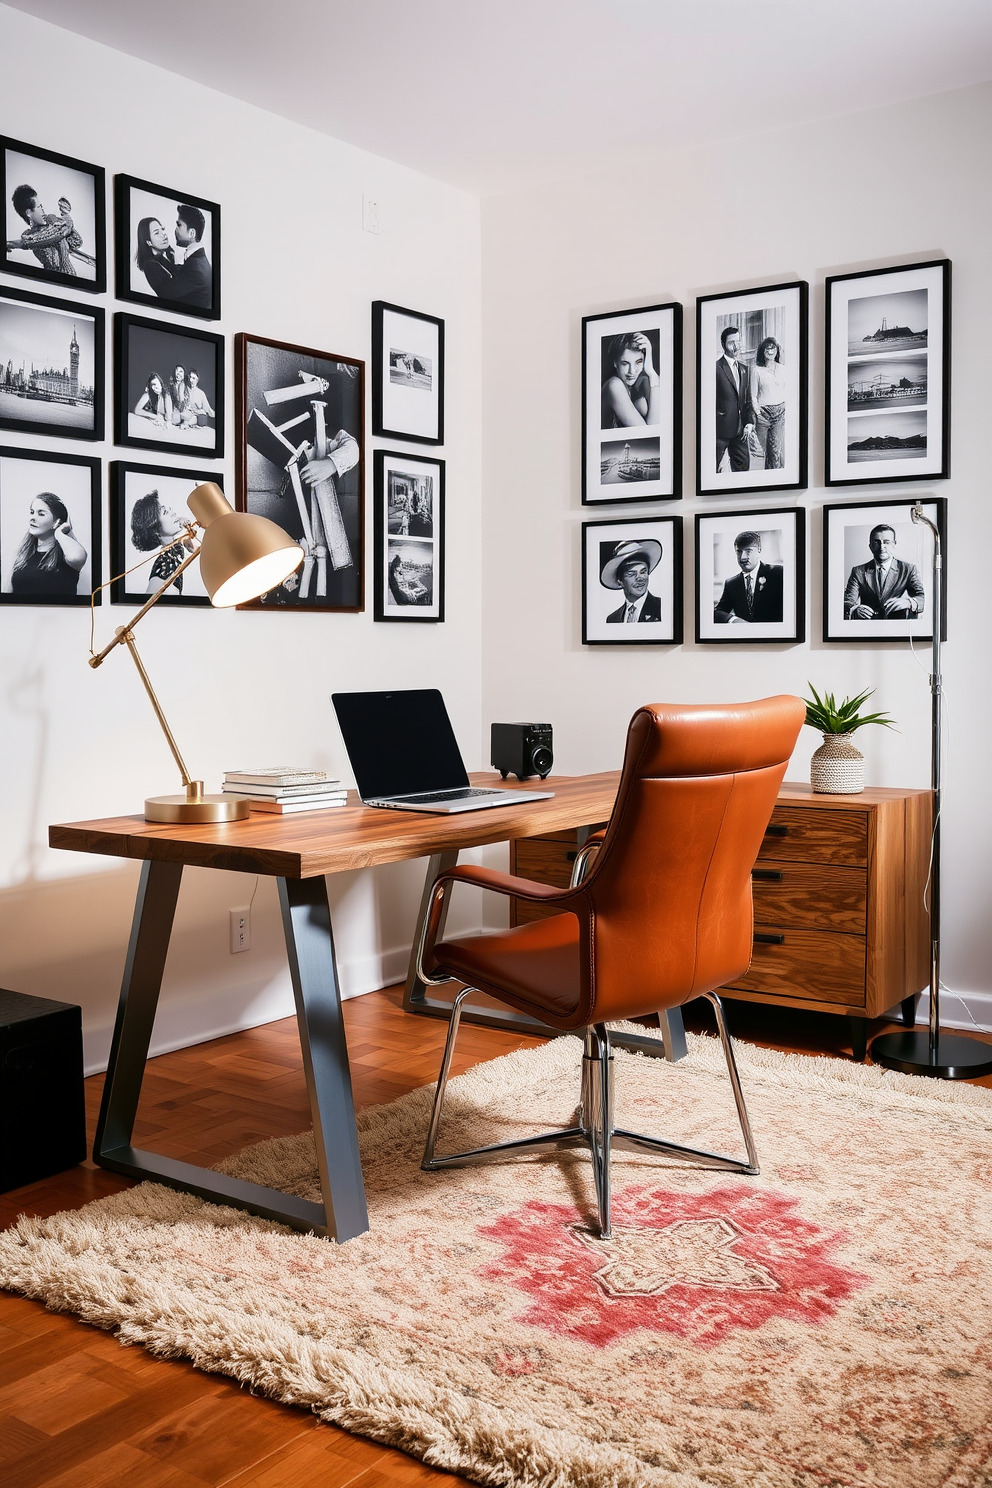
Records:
x=595, y=1127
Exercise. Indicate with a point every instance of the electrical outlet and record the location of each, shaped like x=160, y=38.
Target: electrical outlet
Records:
x=240, y=930
x=371, y=220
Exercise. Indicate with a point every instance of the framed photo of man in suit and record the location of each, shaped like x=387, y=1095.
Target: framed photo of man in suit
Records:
x=751, y=576
x=632, y=582
x=877, y=570
x=168, y=249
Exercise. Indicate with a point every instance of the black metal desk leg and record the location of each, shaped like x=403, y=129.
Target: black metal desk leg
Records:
x=414, y=991
x=309, y=942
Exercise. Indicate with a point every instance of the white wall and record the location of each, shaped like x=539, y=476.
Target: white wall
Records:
x=897, y=185
x=237, y=687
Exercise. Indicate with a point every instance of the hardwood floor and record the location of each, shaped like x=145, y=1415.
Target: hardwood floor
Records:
x=77, y=1408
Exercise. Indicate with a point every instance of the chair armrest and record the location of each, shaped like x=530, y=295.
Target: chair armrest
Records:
x=502, y=883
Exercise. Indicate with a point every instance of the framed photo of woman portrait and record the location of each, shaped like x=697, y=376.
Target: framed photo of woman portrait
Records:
x=888, y=403
x=148, y=512
x=51, y=366
x=632, y=405
x=407, y=374
x=878, y=570
x=751, y=390
x=168, y=387
x=751, y=576
x=54, y=217
x=167, y=248
x=49, y=528
x=408, y=537
x=632, y=582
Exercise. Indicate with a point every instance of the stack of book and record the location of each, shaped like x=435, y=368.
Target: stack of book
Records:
x=281, y=788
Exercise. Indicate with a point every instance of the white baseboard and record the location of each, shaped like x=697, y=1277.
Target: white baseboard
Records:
x=963, y=1010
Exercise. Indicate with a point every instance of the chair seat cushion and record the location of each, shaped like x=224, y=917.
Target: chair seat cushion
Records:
x=534, y=967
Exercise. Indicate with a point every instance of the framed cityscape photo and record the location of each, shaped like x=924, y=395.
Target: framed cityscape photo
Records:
x=49, y=528
x=751, y=390
x=751, y=576
x=878, y=571
x=408, y=537
x=632, y=405
x=300, y=451
x=168, y=387
x=632, y=582
x=888, y=403
x=407, y=374
x=147, y=514
x=167, y=248
x=51, y=366
x=55, y=217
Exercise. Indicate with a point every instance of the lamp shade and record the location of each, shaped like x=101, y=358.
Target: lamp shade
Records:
x=241, y=555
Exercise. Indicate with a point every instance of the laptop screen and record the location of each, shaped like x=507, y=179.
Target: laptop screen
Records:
x=399, y=743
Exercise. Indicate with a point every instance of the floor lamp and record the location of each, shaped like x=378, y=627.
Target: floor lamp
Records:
x=944, y=1056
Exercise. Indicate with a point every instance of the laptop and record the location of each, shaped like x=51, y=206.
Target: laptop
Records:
x=404, y=754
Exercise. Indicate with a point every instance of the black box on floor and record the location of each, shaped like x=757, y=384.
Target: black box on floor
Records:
x=42, y=1114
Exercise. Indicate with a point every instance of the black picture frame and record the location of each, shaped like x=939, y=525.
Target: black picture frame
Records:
x=407, y=374
x=847, y=529
x=190, y=288
x=133, y=580
x=778, y=312
x=602, y=545
x=631, y=452
x=37, y=325
x=75, y=479
x=288, y=398
x=76, y=256
x=408, y=537
x=777, y=564
x=144, y=347
x=887, y=386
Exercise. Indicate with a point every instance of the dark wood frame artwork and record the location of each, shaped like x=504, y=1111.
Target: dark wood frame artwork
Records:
x=741, y=635
x=124, y=249
x=95, y=313
x=96, y=533
x=380, y=368
x=639, y=523
x=123, y=322
x=119, y=469
x=96, y=285
x=380, y=537
x=926, y=635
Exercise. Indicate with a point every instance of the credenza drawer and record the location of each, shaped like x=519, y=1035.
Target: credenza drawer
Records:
x=810, y=964
x=803, y=836
x=810, y=895
x=546, y=859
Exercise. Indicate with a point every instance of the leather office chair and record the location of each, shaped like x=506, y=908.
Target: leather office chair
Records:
x=663, y=915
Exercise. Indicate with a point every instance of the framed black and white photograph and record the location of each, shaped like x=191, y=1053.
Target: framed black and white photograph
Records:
x=54, y=217
x=167, y=248
x=751, y=576
x=877, y=571
x=632, y=582
x=148, y=516
x=51, y=366
x=407, y=374
x=888, y=335
x=408, y=537
x=300, y=450
x=49, y=528
x=632, y=405
x=168, y=387
x=751, y=390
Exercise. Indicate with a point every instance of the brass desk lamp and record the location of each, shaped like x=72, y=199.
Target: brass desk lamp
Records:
x=241, y=556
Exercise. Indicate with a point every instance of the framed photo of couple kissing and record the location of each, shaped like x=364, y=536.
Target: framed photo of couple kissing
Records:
x=167, y=248
x=54, y=217
x=632, y=405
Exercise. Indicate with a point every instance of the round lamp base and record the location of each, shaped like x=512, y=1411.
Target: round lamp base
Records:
x=955, y=1057
x=207, y=809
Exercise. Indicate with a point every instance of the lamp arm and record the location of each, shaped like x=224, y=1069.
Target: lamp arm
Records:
x=125, y=638
x=120, y=639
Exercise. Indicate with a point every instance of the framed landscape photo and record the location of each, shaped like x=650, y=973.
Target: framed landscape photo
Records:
x=408, y=537
x=632, y=582
x=888, y=335
x=632, y=405
x=751, y=390
x=147, y=513
x=51, y=366
x=54, y=217
x=168, y=387
x=49, y=528
x=878, y=568
x=751, y=576
x=301, y=462
x=407, y=374
x=167, y=248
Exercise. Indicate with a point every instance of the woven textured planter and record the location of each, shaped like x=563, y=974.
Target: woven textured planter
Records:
x=837, y=768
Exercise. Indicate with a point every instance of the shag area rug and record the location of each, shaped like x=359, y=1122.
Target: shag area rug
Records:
x=827, y=1323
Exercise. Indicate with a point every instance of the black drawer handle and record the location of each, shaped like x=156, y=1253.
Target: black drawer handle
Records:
x=776, y=829
x=768, y=875
x=570, y=857
x=763, y=938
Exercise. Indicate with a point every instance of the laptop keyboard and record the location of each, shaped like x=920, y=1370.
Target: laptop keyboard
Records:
x=452, y=795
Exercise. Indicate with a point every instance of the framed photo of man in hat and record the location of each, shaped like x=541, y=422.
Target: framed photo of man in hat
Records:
x=632, y=582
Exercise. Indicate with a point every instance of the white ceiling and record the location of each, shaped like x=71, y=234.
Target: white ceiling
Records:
x=491, y=95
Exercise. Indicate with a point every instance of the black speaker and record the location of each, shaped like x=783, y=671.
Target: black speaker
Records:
x=42, y=1116
x=522, y=749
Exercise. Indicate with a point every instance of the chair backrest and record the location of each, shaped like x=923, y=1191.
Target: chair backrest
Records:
x=667, y=911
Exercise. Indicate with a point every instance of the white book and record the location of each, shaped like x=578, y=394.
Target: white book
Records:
x=283, y=792
x=279, y=775
x=283, y=808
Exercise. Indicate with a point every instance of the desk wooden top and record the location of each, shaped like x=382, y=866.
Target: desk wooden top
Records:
x=307, y=843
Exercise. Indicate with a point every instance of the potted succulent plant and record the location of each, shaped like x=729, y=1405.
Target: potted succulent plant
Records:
x=837, y=767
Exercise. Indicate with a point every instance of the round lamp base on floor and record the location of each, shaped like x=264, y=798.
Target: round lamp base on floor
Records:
x=955, y=1057
x=207, y=809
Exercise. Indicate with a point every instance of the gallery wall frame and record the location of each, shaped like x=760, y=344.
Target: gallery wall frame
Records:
x=632, y=405
x=634, y=561
x=147, y=507
x=407, y=374
x=51, y=366
x=857, y=608
x=408, y=537
x=55, y=217
x=167, y=248
x=50, y=532
x=767, y=547
x=153, y=408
